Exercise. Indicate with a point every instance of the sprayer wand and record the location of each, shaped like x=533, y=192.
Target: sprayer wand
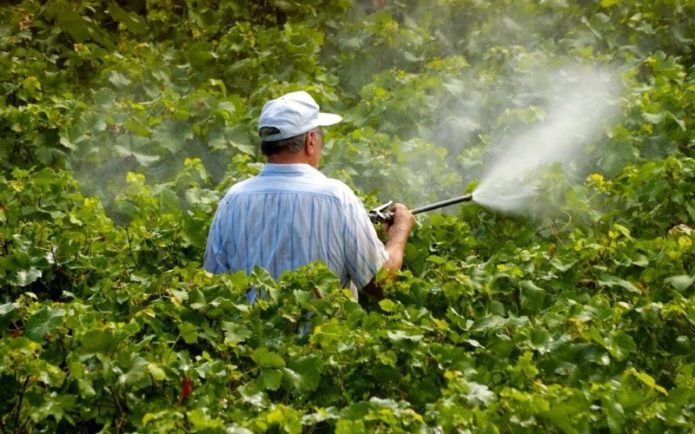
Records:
x=382, y=213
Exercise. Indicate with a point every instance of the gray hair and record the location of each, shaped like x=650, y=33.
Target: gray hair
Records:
x=292, y=144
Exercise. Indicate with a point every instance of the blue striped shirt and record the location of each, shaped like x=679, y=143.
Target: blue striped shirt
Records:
x=292, y=215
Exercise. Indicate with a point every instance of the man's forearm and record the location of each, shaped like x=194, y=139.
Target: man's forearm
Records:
x=395, y=246
x=398, y=237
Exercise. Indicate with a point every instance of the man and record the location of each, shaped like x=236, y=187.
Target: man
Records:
x=292, y=215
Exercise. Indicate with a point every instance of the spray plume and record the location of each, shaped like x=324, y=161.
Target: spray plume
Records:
x=580, y=104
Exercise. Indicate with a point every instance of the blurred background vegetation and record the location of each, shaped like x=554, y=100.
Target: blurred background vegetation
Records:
x=122, y=123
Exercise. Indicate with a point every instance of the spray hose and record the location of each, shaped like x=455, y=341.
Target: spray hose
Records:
x=382, y=213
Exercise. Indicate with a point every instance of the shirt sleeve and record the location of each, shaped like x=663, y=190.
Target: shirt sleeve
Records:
x=365, y=254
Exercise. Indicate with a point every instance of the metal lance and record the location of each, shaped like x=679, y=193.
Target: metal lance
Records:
x=382, y=213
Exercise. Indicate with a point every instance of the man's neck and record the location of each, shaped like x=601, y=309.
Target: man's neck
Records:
x=288, y=158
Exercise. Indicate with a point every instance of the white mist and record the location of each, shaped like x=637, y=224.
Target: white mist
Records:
x=581, y=103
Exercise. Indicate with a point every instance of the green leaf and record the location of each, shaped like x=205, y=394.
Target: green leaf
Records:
x=647, y=379
x=227, y=106
x=387, y=305
x=615, y=414
x=305, y=372
x=100, y=341
x=132, y=21
x=235, y=137
x=401, y=335
x=640, y=261
x=119, y=80
x=86, y=388
x=270, y=379
x=490, y=323
x=531, y=296
x=54, y=405
x=27, y=277
x=156, y=372
x=388, y=358
x=202, y=421
x=346, y=426
x=136, y=373
x=43, y=323
x=478, y=394
x=8, y=308
x=145, y=160
x=681, y=283
x=67, y=141
x=654, y=118
x=68, y=20
x=32, y=86
x=265, y=358
x=172, y=135
x=613, y=281
x=169, y=201
x=189, y=332
x=620, y=345
x=196, y=298
x=561, y=266
x=199, y=53
x=104, y=97
x=235, y=332
x=138, y=125
x=436, y=259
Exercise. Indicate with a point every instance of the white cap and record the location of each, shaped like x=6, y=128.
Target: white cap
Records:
x=293, y=114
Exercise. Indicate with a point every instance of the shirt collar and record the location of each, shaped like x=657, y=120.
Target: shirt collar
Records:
x=300, y=169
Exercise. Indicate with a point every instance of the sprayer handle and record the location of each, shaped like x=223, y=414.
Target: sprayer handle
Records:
x=382, y=213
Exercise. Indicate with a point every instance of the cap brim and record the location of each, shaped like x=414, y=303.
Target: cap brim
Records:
x=326, y=119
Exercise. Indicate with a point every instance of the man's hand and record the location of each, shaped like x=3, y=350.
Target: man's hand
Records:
x=403, y=221
x=399, y=230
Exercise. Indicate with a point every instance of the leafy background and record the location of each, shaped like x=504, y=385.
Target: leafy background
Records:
x=122, y=123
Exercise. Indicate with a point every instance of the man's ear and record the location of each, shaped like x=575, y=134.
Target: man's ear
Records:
x=310, y=143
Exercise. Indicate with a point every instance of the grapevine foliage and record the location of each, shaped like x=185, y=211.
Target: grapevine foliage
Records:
x=121, y=124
